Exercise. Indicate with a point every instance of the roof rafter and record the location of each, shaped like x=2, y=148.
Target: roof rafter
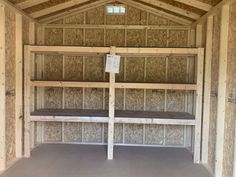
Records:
x=30, y=3
x=195, y=3
x=76, y=10
x=172, y=8
x=169, y=16
x=56, y=8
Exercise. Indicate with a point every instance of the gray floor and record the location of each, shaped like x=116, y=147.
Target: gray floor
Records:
x=90, y=161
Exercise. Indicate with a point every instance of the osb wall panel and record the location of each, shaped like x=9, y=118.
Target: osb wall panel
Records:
x=156, y=69
x=72, y=132
x=157, y=38
x=174, y=135
x=214, y=85
x=136, y=38
x=75, y=19
x=178, y=38
x=154, y=134
x=231, y=92
x=93, y=132
x=132, y=69
x=73, y=68
x=73, y=98
x=133, y=134
x=54, y=36
x=73, y=37
x=53, y=132
x=93, y=98
x=10, y=84
x=115, y=37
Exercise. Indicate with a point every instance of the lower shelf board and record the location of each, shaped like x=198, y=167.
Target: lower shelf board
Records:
x=101, y=116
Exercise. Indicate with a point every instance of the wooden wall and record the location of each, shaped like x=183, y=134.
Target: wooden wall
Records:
x=133, y=69
x=230, y=118
x=230, y=112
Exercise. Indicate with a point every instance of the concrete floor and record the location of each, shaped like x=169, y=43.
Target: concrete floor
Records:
x=90, y=161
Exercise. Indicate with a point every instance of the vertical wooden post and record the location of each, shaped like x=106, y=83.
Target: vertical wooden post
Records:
x=40, y=90
x=199, y=35
x=111, y=111
x=27, y=101
x=234, y=166
x=19, y=86
x=198, y=115
x=32, y=90
x=2, y=90
x=221, y=100
x=207, y=90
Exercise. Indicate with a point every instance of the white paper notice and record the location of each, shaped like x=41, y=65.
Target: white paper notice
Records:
x=112, y=63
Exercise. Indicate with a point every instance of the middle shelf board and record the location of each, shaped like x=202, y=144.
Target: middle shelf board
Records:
x=167, y=86
x=101, y=116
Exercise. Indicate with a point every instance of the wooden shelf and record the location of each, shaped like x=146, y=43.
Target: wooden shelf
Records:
x=166, y=86
x=101, y=116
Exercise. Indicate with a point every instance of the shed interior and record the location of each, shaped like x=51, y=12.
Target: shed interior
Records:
x=176, y=86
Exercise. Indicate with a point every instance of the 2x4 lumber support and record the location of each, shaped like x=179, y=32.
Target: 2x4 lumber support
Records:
x=164, y=86
x=222, y=84
x=19, y=86
x=207, y=90
x=2, y=90
x=32, y=71
x=198, y=115
x=234, y=166
x=16, y=9
x=212, y=11
x=30, y=3
x=155, y=11
x=75, y=11
x=27, y=102
x=119, y=50
x=172, y=8
x=57, y=7
x=196, y=3
x=111, y=111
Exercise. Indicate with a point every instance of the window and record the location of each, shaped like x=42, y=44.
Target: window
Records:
x=115, y=9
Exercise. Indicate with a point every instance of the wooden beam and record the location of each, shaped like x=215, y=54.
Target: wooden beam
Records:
x=213, y=11
x=27, y=101
x=207, y=90
x=32, y=73
x=172, y=8
x=17, y=9
x=156, y=12
x=19, y=86
x=234, y=166
x=82, y=26
x=126, y=120
x=196, y=3
x=110, y=141
x=120, y=50
x=75, y=11
x=2, y=90
x=199, y=35
x=164, y=86
x=30, y=3
x=222, y=84
x=198, y=117
x=57, y=7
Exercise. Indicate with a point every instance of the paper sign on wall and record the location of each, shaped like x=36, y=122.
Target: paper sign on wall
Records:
x=112, y=63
